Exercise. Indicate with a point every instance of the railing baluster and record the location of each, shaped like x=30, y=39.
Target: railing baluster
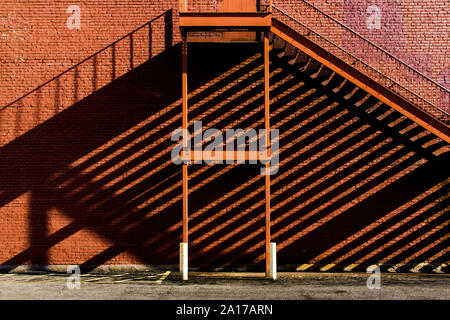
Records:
x=183, y=5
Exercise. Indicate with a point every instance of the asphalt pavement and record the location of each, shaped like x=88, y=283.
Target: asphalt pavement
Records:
x=225, y=286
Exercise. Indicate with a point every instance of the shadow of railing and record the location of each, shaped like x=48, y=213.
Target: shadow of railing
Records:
x=354, y=176
x=118, y=138
x=89, y=75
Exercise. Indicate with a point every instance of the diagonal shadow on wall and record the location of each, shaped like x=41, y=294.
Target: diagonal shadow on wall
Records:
x=104, y=162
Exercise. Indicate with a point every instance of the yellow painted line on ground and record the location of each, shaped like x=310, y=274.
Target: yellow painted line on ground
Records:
x=164, y=277
x=33, y=278
x=16, y=281
x=127, y=279
x=123, y=280
x=93, y=279
x=40, y=281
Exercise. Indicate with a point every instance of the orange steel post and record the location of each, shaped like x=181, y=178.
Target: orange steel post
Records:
x=185, y=127
x=267, y=128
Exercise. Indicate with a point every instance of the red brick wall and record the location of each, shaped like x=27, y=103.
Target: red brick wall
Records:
x=37, y=45
x=85, y=164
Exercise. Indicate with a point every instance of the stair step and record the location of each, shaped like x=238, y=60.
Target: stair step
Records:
x=279, y=43
x=356, y=94
x=290, y=50
x=323, y=74
x=364, y=99
x=312, y=66
x=301, y=59
x=345, y=88
x=335, y=81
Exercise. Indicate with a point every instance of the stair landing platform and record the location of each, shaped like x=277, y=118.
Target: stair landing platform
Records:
x=225, y=20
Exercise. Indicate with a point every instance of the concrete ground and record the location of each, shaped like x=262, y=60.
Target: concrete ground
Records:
x=224, y=286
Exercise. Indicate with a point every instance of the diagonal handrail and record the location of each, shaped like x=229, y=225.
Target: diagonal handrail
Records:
x=369, y=58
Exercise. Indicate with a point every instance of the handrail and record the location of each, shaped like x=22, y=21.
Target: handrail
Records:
x=367, y=40
x=404, y=80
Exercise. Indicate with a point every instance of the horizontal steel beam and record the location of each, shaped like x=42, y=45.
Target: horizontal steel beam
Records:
x=225, y=155
x=225, y=20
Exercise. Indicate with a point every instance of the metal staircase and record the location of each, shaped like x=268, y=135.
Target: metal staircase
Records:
x=325, y=50
x=367, y=65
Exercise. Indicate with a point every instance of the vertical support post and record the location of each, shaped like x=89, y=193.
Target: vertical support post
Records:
x=183, y=254
x=267, y=129
x=183, y=261
x=273, y=261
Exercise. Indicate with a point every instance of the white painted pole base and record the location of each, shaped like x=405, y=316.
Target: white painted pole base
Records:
x=273, y=261
x=183, y=261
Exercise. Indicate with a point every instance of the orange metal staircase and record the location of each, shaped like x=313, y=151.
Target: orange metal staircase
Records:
x=369, y=67
x=315, y=44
